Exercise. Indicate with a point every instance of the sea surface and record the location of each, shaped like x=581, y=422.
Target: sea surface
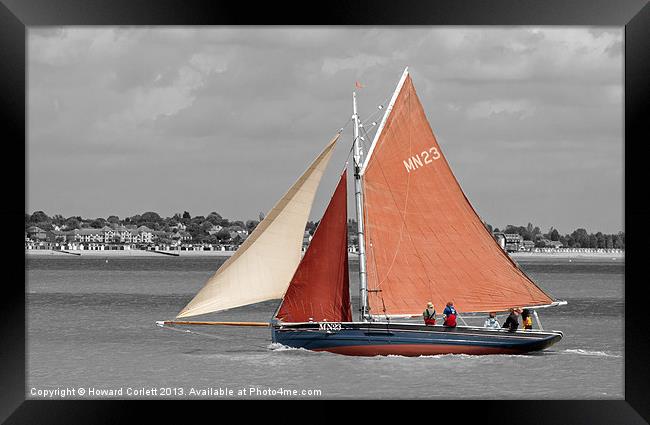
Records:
x=91, y=326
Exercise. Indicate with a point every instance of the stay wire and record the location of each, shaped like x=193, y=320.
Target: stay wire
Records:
x=211, y=336
x=371, y=117
x=347, y=158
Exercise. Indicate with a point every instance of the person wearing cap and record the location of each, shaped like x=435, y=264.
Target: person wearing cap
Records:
x=449, y=315
x=492, y=322
x=429, y=314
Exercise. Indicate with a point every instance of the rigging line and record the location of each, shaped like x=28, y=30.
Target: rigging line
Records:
x=172, y=328
x=374, y=115
x=212, y=336
x=371, y=248
x=374, y=261
x=345, y=125
x=367, y=135
x=380, y=108
x=363, y=128
x=371, y=117
x=347, y=159
x=384, y=305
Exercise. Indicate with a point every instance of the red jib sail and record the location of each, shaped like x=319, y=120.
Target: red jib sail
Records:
x=424, y=241
x=319, y=290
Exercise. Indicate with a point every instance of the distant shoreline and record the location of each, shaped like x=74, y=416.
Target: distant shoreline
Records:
x=125, y=253
x=143, y=253
x=592, y=255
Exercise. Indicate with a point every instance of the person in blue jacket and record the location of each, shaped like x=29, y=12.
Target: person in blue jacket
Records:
x=449, y=315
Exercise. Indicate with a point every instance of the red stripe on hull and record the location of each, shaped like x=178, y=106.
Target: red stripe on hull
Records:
x=414, y=350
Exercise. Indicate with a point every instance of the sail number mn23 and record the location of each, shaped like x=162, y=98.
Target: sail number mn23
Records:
x=422, y=159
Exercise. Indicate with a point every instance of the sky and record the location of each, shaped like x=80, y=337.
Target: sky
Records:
x=124, y=120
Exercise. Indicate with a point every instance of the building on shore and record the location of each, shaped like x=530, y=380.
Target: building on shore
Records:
x=546, y=243
x=527, y=246
x=513, y=241
x=36, y=233
x=510, y=242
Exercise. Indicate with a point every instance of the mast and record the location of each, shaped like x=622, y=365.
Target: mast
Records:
x=363, y=283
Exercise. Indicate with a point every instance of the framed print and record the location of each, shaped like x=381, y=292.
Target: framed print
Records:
x=365, y=201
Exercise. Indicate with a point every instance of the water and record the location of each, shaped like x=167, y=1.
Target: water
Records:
x=91, y=325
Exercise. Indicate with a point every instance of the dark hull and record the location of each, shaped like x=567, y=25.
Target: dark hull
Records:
x=381, y=339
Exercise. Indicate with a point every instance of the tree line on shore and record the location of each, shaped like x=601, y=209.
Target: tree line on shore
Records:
x=579, y=238
x=199, y=228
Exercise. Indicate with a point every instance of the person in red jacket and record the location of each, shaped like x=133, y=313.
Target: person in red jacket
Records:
x=429, y=314
x=449, y=315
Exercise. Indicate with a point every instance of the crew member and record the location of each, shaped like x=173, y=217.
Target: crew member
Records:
x=449, y=315
x=492, y=322
x=429, y=314
x=512, y=322
x=527, y=319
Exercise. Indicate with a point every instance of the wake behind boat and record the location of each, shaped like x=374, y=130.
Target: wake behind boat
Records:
x=419, y=240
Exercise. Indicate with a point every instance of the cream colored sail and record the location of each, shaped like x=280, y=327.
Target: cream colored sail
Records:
x=264, y=264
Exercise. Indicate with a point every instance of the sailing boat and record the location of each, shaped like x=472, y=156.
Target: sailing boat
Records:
x=419, y=239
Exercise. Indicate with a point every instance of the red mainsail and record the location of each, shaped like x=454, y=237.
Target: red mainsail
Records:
x=319, y=290
x=424, y=241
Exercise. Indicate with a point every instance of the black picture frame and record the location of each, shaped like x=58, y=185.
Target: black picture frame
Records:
x=17, y=15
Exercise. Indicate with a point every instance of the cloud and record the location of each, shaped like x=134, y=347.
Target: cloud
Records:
x=150, y=101
x=521, y=109
x=358, y=63
x=242, y=110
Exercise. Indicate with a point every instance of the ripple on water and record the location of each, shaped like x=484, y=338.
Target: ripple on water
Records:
x=590, y=353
